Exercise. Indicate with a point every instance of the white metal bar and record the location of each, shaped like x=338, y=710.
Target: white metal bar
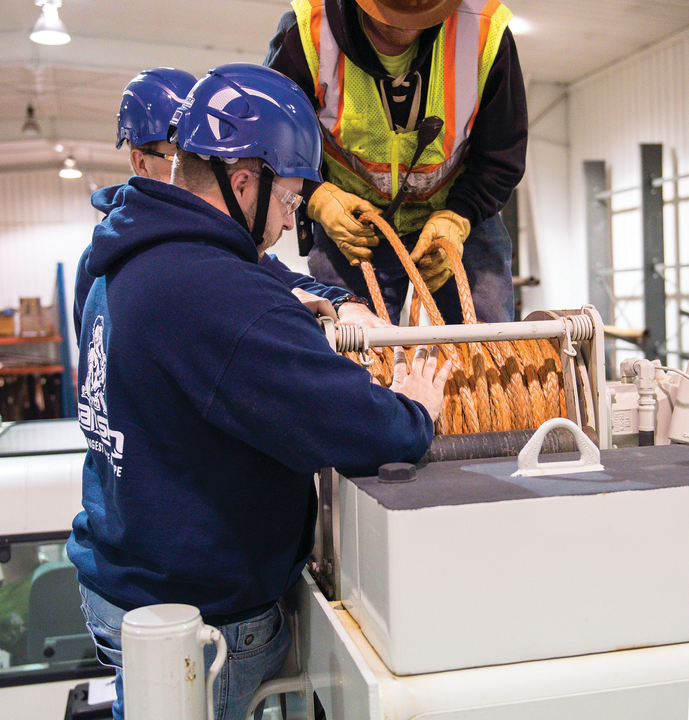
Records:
x=435, y=335
x=658, y=267
x=661, y=181
x=656, y=182
x=605, y=194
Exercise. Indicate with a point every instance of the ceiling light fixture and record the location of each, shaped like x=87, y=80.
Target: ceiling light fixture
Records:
x=30, y=126
x=69, y=169
x=49, y=29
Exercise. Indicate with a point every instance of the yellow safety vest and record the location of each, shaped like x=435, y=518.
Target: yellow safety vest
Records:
x=362, y=154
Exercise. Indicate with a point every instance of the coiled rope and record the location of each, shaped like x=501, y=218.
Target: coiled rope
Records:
x=493, y=386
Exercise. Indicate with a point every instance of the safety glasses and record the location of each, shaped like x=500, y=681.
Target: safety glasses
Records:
x=155, y=153
x=289, y=199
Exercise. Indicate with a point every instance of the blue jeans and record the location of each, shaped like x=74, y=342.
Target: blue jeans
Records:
x=487, y=260
x=256, y=648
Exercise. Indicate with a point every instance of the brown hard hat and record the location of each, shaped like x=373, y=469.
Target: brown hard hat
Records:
x=410, y=14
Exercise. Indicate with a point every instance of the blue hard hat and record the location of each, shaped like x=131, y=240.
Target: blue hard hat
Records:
x=241, y=110
x=148, y=103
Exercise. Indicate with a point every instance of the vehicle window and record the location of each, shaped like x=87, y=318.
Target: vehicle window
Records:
x=42, y=628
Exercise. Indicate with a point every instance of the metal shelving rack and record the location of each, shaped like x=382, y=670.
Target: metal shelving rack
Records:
x=44, y=355
x=652, y=339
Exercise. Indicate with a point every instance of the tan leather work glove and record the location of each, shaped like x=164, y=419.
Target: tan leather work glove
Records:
x=435, y=268
x=335, y=210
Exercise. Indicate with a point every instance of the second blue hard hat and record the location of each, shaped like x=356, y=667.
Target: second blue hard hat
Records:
x=148, y=103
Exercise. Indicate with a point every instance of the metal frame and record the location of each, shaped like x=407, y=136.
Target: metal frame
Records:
x=599, y=237
x=325, y=557
x=579, y=332
x=69, y=403
x=655, y=344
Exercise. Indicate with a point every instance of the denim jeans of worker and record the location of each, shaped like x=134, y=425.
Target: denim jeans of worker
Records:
x=256, y=648
x=104, y=622
x=487, y=260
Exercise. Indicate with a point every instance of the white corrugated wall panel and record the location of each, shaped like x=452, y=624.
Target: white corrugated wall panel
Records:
x=644, y=99
x=544, y=219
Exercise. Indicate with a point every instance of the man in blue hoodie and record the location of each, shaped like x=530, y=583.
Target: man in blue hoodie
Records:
x=208, y=393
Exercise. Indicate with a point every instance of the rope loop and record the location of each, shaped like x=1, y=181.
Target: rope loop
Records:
x=493, y=386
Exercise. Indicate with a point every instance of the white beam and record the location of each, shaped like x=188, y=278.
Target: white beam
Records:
x=118, y=55
x=63, y=130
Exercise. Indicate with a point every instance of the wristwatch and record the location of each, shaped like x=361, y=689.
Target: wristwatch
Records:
x=348, y=298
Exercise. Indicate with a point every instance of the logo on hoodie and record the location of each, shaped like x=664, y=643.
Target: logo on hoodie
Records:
x=93, y=414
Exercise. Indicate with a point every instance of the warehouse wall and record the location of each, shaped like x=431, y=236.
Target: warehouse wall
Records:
x=643, y=99
x=544, y=202
x=44, y=220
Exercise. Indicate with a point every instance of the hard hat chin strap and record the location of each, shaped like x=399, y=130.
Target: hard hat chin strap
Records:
x=264, y=191
x=227, y=192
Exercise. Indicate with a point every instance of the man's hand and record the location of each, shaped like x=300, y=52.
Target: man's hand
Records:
x=337, y=211
x=420, y=384
x=358, y=314
x=317, y=305
x=435, y=268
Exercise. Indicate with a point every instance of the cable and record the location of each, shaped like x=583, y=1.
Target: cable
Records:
x=674, y=370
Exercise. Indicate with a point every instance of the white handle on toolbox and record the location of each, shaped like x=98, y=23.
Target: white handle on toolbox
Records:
x=527, y=462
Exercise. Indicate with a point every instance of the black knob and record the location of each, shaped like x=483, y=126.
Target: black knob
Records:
x=397, y=472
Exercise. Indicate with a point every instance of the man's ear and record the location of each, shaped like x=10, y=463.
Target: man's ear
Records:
x=138, y=160
x=240, y=181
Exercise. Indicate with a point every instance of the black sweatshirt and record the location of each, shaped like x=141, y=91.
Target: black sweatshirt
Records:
x=497, y=144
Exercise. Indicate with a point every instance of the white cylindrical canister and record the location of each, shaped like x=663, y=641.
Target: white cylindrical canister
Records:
x=162, y=663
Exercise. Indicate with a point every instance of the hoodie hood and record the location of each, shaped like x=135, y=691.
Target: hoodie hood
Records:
x=147, y=212
x=351, y=39
x=105, y=199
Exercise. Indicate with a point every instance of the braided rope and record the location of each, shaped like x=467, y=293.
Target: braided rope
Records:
x=493, y=386
x=374, y=290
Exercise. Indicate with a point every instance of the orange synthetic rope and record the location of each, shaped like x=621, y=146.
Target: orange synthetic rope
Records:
x=507, y=385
